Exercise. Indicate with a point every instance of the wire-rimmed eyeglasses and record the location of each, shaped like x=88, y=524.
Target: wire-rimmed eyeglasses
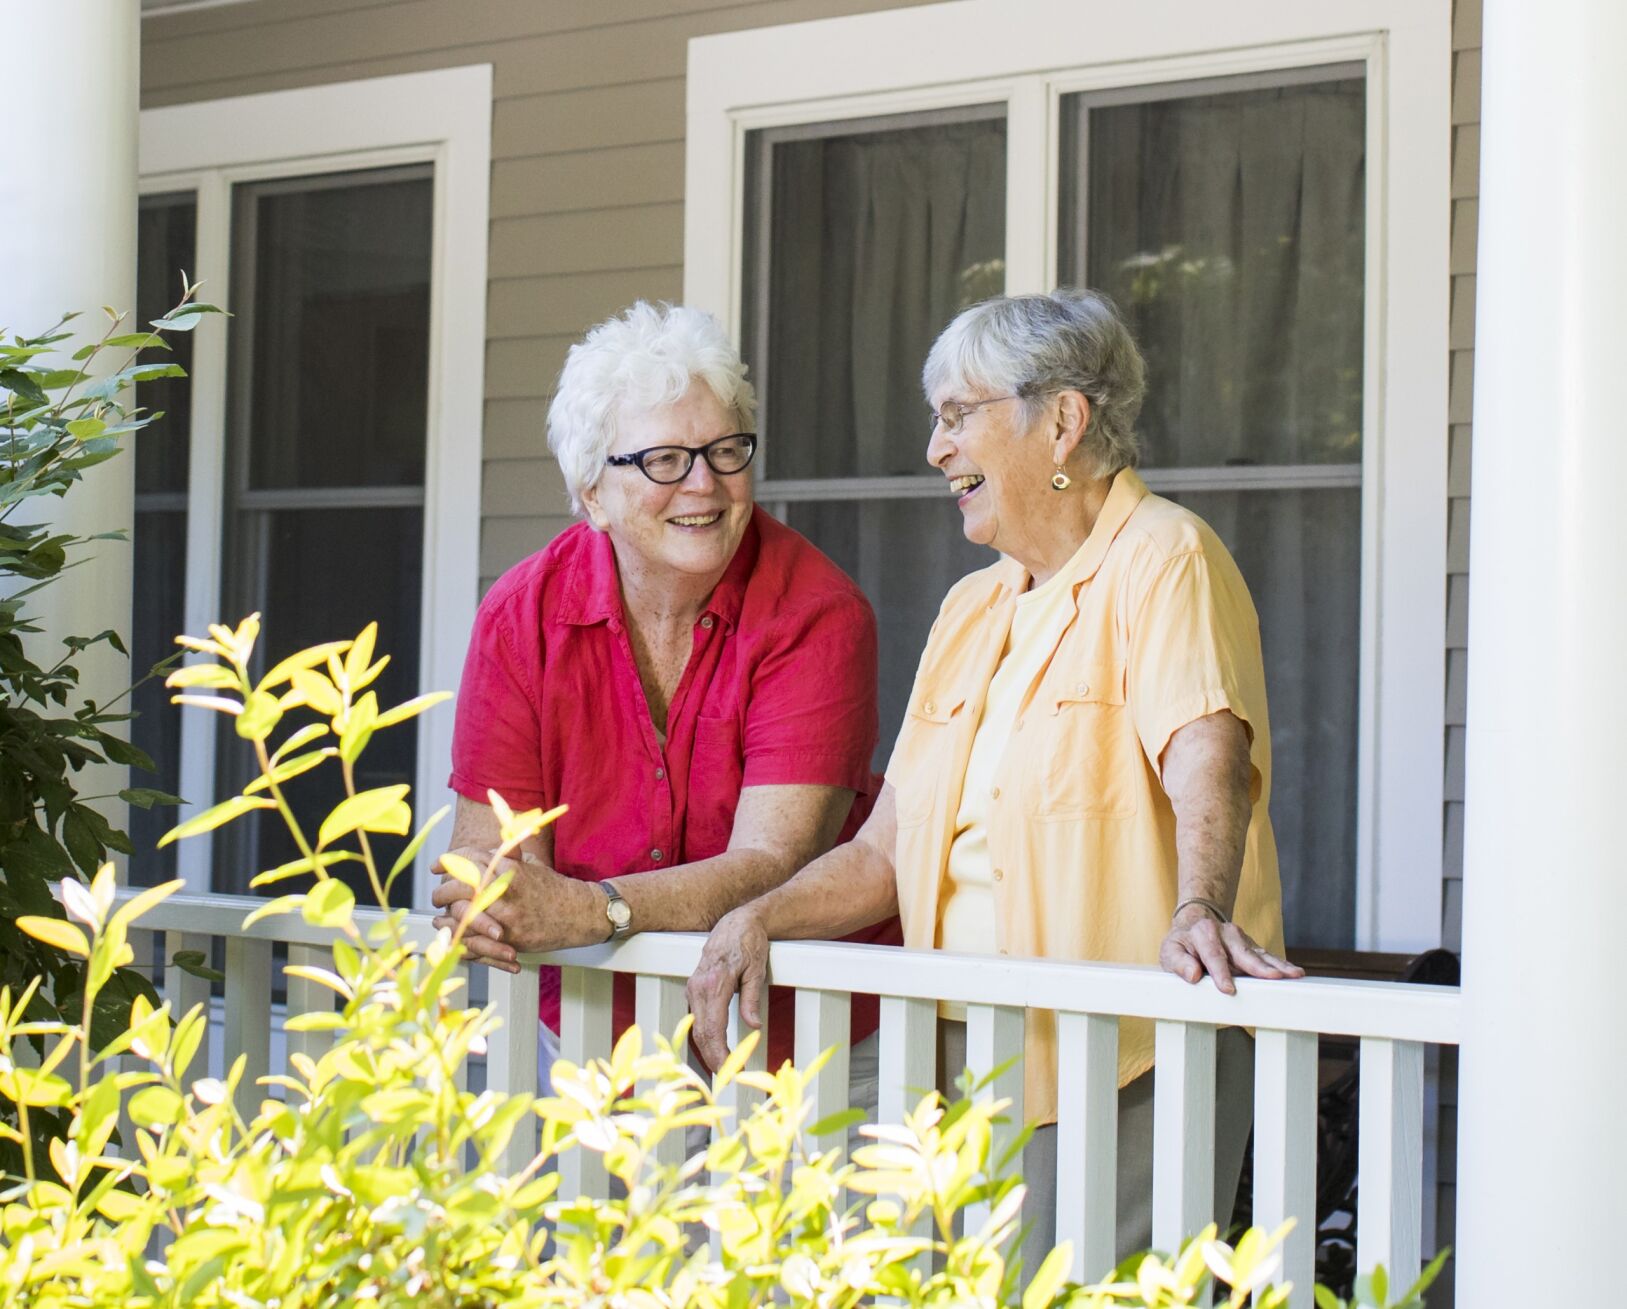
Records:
x=952, y=413
x=666, y=464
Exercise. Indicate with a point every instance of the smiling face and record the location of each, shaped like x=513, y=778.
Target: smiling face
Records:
x=688, y=530
x=999, y=468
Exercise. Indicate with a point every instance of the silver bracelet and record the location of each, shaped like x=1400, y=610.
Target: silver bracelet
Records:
x=1220, y=914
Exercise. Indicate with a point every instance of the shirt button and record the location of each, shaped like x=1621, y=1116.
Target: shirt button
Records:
x=707, y=622
x=999, y=875
x=929, y=708
x=660, y=773
x=1084, y=688
x=1019, y=724
x=994, y=793
x=655, y=855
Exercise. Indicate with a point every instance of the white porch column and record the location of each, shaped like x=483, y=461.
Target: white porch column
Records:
x=68, y=241
x=1543, y=1137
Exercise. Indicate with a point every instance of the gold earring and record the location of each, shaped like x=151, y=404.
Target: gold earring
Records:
x=1060, y=481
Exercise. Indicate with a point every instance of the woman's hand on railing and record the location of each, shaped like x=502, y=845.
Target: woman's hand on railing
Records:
x=734, y=959
x=1200, y=945
x=540, y=910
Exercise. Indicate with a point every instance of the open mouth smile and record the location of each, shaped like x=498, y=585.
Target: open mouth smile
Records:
x=966, y=486
x=697, y=520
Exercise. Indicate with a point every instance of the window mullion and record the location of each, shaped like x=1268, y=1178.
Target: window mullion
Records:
x=1030, y=167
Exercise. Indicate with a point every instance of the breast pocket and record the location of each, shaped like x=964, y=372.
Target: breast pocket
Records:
x=1090, y=763
x=922, y=756
x=716, y=771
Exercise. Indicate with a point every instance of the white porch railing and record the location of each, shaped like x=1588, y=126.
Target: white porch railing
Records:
x=1394, y=1024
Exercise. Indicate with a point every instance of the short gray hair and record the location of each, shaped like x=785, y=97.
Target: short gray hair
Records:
x=1033, y=346
x=645, y=357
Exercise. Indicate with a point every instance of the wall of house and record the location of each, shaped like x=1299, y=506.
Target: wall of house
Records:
x=1465, y=222
x=587, y=168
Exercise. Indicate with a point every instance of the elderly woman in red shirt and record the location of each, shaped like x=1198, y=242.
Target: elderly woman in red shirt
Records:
x=694, y=679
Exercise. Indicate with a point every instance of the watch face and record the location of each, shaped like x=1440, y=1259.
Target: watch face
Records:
x=618, y=913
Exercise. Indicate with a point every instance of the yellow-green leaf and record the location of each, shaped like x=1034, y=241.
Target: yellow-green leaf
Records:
x=383, y=809
x=282, y=872
x=460, y=869
x=55, y=931
x=134, y=908
x=260, y=716
x=329, y=904
x=361, y=650
x=317, y=691
x=305, y=659
x=289, y=768
x=281, y=904
x=207, y=675
x=410, y=708
x=358, y=728
x=157, y=1106
x=210, y=819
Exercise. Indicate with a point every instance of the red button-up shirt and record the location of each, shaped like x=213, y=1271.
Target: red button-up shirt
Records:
x=780, y=689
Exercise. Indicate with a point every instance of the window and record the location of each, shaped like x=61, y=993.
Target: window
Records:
x=1226, y=218
x=1282, y=258
x=323, y=459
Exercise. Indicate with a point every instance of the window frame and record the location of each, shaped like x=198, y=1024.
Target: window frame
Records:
x=441, y=117
x=1031, y=55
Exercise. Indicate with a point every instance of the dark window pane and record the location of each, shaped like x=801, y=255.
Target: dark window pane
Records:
x=338, y=373
x=159, y=542
x=862, y=245
x=1230, y=229
x=906, y=554
x=322, y=575
x=1301, y=554
x=166, y=234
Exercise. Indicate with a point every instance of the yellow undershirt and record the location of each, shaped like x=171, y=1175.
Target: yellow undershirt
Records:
x=967, y=906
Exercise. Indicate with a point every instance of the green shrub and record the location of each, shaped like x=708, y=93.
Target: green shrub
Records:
x=57, y=420
x=375, y=1180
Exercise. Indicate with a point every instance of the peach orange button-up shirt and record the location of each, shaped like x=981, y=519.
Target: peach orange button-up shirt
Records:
x=1163, y=633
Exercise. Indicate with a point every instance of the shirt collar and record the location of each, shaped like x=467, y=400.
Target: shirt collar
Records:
x=1127, y=491
x=594, y=593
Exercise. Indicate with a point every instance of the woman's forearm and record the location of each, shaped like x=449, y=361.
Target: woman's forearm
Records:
x=1207, y=776
x=853, y=886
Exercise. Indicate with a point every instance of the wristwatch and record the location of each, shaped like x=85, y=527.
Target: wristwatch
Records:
x=618, y=912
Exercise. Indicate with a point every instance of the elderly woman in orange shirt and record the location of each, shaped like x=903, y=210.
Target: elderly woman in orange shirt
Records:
x=1084, y=768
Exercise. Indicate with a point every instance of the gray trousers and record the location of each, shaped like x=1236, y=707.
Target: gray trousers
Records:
x=1234, y=1116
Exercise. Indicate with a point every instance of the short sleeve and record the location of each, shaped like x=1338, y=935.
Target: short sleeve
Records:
x=496, y=741
x=811, y=715
x=1194, y=650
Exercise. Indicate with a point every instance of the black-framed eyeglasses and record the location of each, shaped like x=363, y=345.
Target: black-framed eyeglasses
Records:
x=952, y=413
x=666, y=464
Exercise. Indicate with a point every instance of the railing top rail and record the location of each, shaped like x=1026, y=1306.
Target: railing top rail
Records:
x=1384, y=1010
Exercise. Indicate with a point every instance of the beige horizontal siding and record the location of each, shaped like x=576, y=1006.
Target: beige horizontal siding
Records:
x=561, y=303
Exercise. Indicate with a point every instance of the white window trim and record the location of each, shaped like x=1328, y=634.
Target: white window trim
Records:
x=1030, y=53
x=442, y=117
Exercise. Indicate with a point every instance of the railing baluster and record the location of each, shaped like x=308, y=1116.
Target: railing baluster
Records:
x=1388, y=1204
x=511, y=1055
x=248, y=1016
x=822, y=1024
x=1087, y=1140
x=584, y=1034
x=909, y=1055
x=659, y=1006
x=1285, y=1083
x=308, y=997
x=738, y=1099
x=994, y=1036
x=182, y=989
x=908, y=1069
x=141, y=945
x=1183, y=1195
